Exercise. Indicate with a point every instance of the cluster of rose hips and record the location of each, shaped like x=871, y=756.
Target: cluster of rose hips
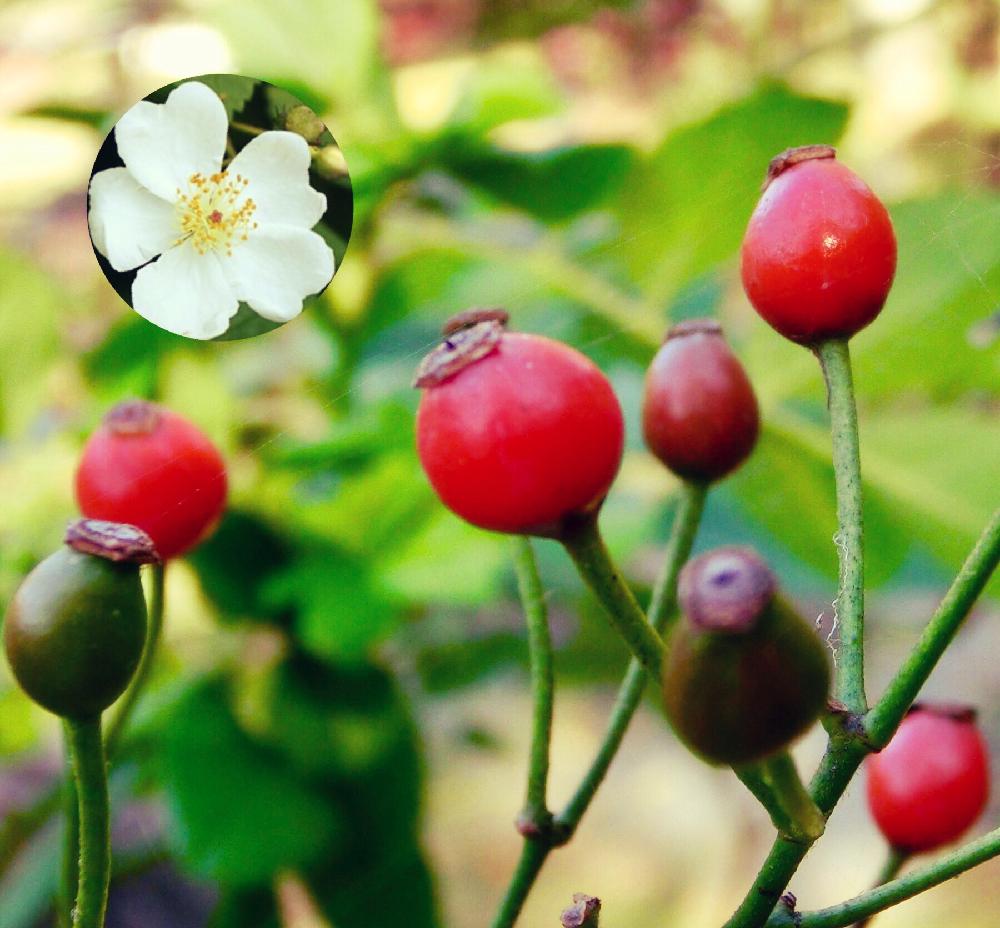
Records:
x=521, y=434
x=150, y=486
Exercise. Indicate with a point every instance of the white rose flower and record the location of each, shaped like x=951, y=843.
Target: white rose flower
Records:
x=218, y=236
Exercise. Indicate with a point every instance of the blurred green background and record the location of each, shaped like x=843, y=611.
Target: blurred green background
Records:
x=337, y=731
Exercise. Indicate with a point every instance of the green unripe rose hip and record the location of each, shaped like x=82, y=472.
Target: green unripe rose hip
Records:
x=75, y=629
x=744, y=674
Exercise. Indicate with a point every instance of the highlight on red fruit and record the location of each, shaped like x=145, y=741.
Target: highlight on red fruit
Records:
x=516, y=432
x=932, y=781
x=150, y=467
x=699, y=412
x=819, y=254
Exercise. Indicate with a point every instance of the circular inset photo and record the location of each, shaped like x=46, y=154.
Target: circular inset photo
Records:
x=218, y=206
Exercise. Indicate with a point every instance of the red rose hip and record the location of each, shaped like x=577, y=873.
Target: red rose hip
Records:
x=149, y=467
x=932, y=781
x=516, y=432
x=699, y=412
x=819, y=253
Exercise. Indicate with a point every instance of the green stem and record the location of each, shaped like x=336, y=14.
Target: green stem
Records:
x=586, y=547
x=661, y=607
x=839, y=764
x=69, y=869
x=663, y=602
x=776, y=783
x=894, y=862
x=885, y=717
x=905, y=887
x=835, y=358
x=154, y=629
x=536, y=813
x=86, y=748
x=533, y=855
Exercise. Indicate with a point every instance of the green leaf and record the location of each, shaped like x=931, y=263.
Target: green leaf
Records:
x=787, y=487
x=448, y=561
x=510, y=83
x=325, y=45
x=129, y=359
x=340, y=609
x=247, y=324
x=552, y=185
x=233, y=89
x=239, y=814
x=28, y=885
x=685, y=208
x=30, y=304
x=236, y=562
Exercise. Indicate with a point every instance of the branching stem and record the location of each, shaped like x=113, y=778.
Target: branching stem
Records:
x=896, y=891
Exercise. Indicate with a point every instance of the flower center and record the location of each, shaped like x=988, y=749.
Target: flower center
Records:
x=215, y=213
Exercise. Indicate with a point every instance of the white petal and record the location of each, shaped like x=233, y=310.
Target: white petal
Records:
x=277, y=166
x=185, y=293
x=163, y=144
x=129, y=225
x=277, y=267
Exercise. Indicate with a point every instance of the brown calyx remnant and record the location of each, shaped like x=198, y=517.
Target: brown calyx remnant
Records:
x=469, y=336
x=726, y=590
x=793, y=156
x=133, y=417
x=469, y=317
x=583, y=913
x=693, y=327
x=114, y=541
x=956, y=711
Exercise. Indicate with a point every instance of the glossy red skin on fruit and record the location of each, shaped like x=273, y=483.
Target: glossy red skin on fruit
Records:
x=819, y=253
x=170, y=482
x=523, y=438
x=699, y=412
x=930, y=783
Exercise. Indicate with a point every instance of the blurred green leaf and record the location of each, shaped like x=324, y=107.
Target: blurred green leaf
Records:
x=510, y=83
x=448, y=561
x=554, y=184
x=235, y=563
x=340, y=609
x=238, y=813
x=331, y=47
x=787, y=487
x=685, y=208
x=129, y=359
x=28, y=886
x=31, y=304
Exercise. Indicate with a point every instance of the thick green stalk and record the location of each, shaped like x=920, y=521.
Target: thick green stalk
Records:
x=586, y=548
x=533, y=855
x=835, y=358
x=536, y=813
x=884, y=718
x=68, y=871
x=662, y=606
x=776, y=783
x=154, y=629
x=896, y=891
x=86, y=748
